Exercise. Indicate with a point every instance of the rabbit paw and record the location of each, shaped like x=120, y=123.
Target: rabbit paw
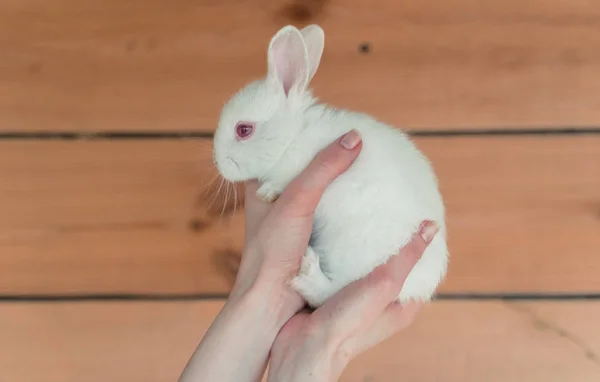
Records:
x=311, y=283
x=268, y=192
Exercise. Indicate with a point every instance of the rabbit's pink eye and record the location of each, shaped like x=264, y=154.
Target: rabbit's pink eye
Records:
x=244, y=130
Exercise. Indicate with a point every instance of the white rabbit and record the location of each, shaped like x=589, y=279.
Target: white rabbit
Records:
x=272, y=128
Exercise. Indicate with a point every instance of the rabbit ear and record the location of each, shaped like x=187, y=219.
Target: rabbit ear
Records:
x=314, y=38
x=288, y=60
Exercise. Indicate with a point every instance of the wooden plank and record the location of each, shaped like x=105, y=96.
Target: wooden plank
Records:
x=555, y=317
x=134, y=217
x=156, y=65
x=450, y=341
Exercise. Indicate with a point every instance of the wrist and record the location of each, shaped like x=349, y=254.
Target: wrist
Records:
x=244, y=330
x=267, y=289
x=269, y=297
x=312, y=360
x=332, y=360
x=238, y=332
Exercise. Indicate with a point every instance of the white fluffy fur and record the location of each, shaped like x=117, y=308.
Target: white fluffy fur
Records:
x=369, y=212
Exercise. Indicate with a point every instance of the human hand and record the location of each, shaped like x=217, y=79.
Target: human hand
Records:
x=262, y=301
x=277, y=234
x=318, y=346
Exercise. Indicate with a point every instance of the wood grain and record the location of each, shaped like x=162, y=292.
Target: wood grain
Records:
x=134, y=216
x=156, y=65
x=492, y=342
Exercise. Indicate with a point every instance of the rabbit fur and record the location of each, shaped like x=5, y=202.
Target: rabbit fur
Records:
x=370, y=211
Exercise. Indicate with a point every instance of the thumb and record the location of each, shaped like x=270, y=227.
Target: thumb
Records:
x=255, y=209
x=302, y=195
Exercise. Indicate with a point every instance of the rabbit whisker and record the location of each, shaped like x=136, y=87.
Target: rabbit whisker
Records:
x=215, y=194
x=227, y=184
x=210, y=183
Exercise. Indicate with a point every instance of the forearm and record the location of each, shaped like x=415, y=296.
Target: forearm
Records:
x=237, y=345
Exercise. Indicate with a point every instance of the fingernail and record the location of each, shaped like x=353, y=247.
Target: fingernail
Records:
x=350, y=140
x=429, y=230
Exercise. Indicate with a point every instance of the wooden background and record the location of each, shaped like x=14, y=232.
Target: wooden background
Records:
x=113, y=261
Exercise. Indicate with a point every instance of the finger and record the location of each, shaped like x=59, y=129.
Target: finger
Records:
x=386, y=282
x=255, y=209
x=360, y=303
x=302, y=195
